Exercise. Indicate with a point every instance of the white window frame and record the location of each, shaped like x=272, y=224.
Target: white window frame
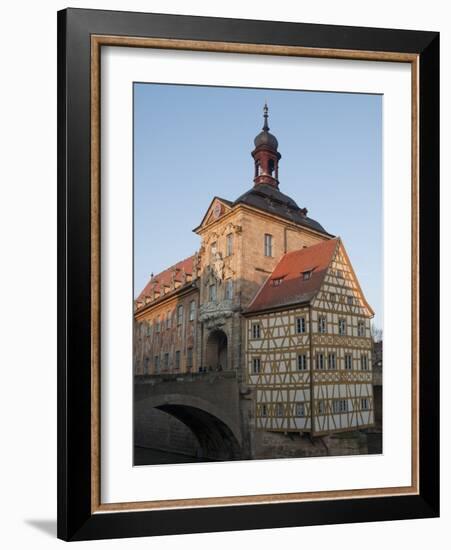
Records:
x=268, y=245
x=320, y=364
x=192, y=310
x=189, y=357
x=342, y=326
x=256, y=365
x=301, y=362
x=180, y=314
x=361, y=329
x=300, y=325
x=348, y=364
x=364, y=362
x=329, y=357
x=322, y=324
x=300, y=410
x=256, y=331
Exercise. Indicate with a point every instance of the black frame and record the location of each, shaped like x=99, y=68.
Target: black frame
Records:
x=75, y=520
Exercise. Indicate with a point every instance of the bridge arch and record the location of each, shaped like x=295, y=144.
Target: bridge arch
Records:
x=218, y=436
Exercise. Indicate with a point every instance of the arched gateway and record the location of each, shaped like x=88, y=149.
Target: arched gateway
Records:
x=216, y=351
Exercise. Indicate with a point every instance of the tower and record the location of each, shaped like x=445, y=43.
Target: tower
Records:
x=266, y=156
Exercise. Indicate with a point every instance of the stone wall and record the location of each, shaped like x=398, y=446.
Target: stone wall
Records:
x=156, y=429
x=279, y=445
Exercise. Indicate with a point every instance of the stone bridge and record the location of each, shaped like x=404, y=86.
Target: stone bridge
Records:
x=212, y=405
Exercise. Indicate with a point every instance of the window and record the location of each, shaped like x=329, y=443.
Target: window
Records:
x=322, y=324
x=268, y=245
x=302, y=362
x=146, y=366
x=177, y=360
x=279, y=409
x=264, y=410
x=331, y=361
x=229, y=244
x=300, y=325
x=332, y=297
x=364, y=405
x=213, y=249
x=341, y=327
x=364, y=362
x=300, y=410
x=320, y=361
x=189, y=358
x=277, y=281
x=339, y=273
x=339, y=406
x=306, y=275
x=271, y=166
x=179, y=315
x=229, y=289
x=157, y=363
x=256, y=365
x=350, y=300
x=158, y=325
x=361, y=328
x=348, y=361
x=166, y=361
x=192, y=310
x=320, y=406
x=212, y=293
x=168, y=320
x=255, y=330
x=149, y=329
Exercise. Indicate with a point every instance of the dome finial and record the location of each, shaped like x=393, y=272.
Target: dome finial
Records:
x=265, y=116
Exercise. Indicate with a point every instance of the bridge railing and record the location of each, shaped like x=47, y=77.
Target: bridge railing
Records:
x=185, y=376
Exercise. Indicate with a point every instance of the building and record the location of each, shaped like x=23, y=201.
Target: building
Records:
x=271, y=295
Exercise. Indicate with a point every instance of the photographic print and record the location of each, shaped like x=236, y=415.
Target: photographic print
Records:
x=248, y=266
x=258, y=304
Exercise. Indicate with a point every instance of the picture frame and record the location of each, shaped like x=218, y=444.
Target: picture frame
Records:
x=81, y=36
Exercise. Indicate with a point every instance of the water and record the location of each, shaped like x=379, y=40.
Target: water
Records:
x=144, y=456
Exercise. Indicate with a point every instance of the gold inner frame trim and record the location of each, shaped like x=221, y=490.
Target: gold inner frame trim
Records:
x=97, y=41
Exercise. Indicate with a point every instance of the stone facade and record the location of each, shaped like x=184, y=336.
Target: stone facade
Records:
x=228, y=270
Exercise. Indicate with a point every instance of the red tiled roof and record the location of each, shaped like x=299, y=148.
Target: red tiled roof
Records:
x=157, y=282
x=293, y=289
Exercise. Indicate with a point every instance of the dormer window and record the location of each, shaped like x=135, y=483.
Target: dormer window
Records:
x=307, y=274
x=277, y=282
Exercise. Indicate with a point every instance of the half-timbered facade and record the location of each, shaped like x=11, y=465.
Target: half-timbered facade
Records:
x=308, y=346
x=271, y=295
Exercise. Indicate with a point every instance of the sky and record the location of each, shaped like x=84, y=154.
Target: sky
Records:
x=192, y=143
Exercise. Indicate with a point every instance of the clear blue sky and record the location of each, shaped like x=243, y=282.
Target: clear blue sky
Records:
x=193, y=142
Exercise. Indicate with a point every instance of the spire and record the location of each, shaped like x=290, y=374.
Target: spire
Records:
x=265, y=116
x=266, y=156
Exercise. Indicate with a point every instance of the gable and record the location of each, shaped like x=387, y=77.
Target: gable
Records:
x=340, y=290
x=217, y=209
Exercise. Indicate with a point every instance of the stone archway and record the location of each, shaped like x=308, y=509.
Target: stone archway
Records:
x=216, y=351
x=217, y=435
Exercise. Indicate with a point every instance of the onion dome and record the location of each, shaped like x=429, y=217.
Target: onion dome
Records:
x=265, y=137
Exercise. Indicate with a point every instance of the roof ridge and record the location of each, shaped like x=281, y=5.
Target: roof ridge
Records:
x=174, y=265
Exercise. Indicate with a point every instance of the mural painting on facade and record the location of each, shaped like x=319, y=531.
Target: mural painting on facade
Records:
x=260, y=344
